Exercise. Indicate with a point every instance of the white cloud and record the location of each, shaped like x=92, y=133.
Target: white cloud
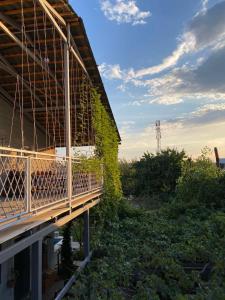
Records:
x=167, y=100
x=206, y=30
x=125, y=127
x=203, y=80
x=187, y=44
x=137, y=102
x=124, y=11
x=207, y=108
x=204, y=5
x=111, y=71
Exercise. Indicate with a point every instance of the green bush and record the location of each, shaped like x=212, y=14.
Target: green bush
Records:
x=149, y=255
x=158, y=174
x=128, y=177
x=201, y=184
x=175, y=252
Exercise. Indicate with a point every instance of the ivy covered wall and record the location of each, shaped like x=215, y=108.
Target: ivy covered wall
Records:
x=106, y=141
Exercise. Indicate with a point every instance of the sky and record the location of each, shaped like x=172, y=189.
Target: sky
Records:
x=161, y=60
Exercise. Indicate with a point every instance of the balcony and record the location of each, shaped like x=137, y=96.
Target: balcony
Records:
x=34, y=183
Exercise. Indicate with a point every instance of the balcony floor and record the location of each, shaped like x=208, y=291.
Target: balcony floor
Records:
x=10, y=230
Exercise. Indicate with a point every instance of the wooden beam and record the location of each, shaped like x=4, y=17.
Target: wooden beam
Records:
x=28, y=116
x=11, y=2
x=70, y=18
x=53, y=95
x=12, y=71
x=28, y=51
x=54, y=12
x=26, y=84
x=65, y=39
x=38, y=42
x=18, y=42
x=12, y=23
x=27, y=10
x=38, y=86
x=43, y=109
x=52, y=19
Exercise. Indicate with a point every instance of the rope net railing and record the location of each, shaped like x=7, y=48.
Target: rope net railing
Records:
x=33, y=182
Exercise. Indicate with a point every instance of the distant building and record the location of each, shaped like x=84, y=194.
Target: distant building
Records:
x=222, y=163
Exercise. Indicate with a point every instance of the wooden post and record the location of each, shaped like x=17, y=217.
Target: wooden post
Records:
x=68, y=116
x=217, y=157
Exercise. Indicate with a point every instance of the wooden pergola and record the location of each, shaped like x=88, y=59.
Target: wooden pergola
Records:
x=33, y=63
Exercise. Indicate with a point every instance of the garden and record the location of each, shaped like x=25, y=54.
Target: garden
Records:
x=174, y=251
x=159, y=232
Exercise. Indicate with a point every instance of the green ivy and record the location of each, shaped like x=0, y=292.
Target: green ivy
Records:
x=88, y=165
x=106, y=142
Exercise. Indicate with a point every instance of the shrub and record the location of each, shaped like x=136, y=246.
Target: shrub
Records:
x=158, y=174
x=128, y=177
x=201, y=184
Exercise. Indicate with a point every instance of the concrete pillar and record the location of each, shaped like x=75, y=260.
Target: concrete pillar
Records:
x=86, y=234
x=7, y=270
x=36, y=273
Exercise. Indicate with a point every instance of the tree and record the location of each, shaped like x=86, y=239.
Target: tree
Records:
x=201, y=184
x=158, y=174
x=128, y=177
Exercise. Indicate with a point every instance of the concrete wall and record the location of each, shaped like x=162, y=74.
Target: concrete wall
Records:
x=6, y=112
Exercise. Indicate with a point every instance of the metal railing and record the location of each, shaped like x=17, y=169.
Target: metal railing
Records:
x=82, y=181
x=34, y=181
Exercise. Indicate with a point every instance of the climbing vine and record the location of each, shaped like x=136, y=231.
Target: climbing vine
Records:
x=88, y=165
x=106, y=143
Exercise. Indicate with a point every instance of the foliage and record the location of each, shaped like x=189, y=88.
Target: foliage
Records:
x=128, y=177
x=153, y=175
x=106, y=142
x=66, y=252
x=175, y=252
x=201, y=183
x=88, y=165
x=155, y=255
x=159, y=173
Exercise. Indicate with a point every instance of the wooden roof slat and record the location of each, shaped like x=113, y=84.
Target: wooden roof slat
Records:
x=27, y=10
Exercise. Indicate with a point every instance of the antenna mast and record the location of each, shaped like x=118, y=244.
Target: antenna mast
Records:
x=158, y=135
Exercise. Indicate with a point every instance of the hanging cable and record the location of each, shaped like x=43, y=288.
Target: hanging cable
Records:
x=21, y=114
x=13, y=113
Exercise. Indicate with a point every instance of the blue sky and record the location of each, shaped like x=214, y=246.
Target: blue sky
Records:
x=161, y=59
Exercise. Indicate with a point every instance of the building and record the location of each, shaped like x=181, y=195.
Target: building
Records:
x=47, y=73
x=222, y=163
